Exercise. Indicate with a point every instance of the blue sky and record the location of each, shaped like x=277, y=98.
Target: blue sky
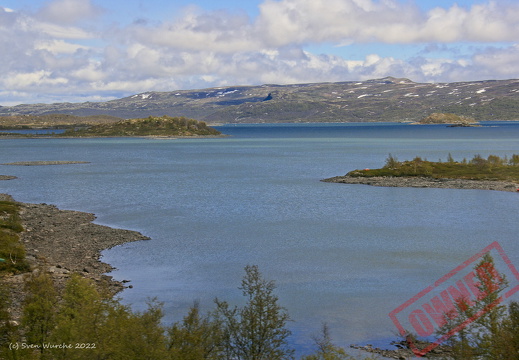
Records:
x=95, y=50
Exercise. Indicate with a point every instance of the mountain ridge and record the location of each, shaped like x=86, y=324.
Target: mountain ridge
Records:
x=386, y=99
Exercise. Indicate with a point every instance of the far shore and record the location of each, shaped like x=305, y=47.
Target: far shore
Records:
x=167, y=137
x=424, y=182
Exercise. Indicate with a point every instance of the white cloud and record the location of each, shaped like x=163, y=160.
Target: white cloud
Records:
x=24, y=81
x=217, y=31
x=68, y=11
x=89, y=73
x=59, y=31
x=501, y=62
x=54, y=53
x=304, y=21
x=59, y=46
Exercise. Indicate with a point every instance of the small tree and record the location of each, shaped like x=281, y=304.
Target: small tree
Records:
x=478, y=161
x=450, y=159
x=256, y=331
x=494, y=161
x=144, y=338
x=480, y=337
x=508, y=341
x=196, y=337
x=39, y=309
x=392, y=162
x=80, y=318
x=326, y=350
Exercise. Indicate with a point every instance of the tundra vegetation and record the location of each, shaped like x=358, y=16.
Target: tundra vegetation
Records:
x=478, y=168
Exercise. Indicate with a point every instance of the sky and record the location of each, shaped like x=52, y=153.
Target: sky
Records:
x=97, y=50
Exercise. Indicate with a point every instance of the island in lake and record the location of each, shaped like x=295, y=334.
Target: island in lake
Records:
x=163, y=126
x=492, y=173
x=451, y=120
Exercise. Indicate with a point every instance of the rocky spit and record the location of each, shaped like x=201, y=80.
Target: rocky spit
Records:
x=62, y=242
x=424, y=182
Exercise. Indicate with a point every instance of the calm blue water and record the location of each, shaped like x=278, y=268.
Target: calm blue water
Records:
x=342, y=254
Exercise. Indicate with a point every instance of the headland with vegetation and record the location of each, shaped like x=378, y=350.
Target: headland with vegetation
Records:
x=491, y=173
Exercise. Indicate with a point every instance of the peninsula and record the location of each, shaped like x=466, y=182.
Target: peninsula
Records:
x=59, y=242
x=492, y=173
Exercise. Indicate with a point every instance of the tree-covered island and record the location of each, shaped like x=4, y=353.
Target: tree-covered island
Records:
x=491, y=173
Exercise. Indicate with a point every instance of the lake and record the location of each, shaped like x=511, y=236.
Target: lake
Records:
x=342, y=254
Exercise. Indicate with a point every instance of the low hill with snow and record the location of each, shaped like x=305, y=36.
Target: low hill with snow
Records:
x=387, y=99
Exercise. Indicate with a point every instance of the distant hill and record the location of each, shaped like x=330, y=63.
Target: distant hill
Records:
x=151, y=126
x=387, y=99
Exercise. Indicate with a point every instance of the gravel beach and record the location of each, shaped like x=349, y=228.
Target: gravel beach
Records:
x=63, y=242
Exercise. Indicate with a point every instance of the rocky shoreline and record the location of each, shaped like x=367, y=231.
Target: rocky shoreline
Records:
x=62, y=242
x=424, y=182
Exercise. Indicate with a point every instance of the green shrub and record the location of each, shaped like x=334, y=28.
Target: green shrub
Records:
x=12, y=252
